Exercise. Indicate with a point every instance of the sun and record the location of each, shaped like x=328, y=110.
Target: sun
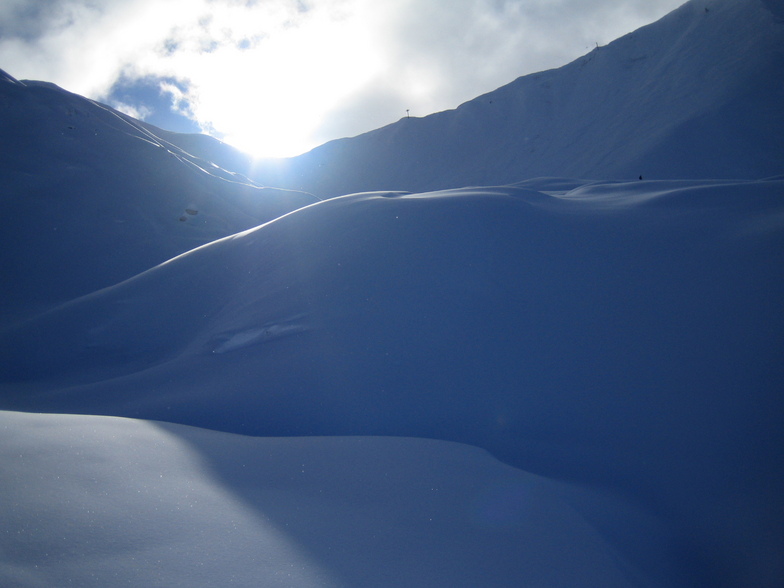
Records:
x=270, y=98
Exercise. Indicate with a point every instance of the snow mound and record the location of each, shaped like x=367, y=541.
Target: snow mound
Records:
x=624, y=335
x=91, y=501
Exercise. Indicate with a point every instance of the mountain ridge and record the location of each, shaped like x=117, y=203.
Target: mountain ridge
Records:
x=701, y=81
x=115, y=190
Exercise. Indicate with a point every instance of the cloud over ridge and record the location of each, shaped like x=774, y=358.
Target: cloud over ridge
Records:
x=280, y=77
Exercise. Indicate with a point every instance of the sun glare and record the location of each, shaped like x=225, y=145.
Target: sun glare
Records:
x=267, y=95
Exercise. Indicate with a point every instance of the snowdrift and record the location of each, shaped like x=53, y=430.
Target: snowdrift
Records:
x=96, y=501
x=625, y=336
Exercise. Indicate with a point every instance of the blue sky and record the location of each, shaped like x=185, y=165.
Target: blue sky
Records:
x=279, y=77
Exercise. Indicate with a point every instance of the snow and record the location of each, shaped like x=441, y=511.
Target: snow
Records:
x=117, y=501
x=694, y=95
x=515, y=379
x=623, y=336
x=109, y=189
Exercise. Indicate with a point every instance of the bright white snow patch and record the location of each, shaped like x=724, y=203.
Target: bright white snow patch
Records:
x=100, y=501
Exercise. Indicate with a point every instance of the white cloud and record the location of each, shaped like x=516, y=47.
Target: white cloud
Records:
x=137, y=112
x=290, y=74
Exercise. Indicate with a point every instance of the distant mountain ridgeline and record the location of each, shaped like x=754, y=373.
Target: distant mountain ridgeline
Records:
x=695, y=95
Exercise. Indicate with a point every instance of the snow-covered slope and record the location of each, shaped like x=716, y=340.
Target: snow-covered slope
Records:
x=697, y=94
x=115, y=196
x=622, y=335
x=137, y=503
x=617, y=344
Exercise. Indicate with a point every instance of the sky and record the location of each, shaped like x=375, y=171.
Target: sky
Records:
x=276, y=78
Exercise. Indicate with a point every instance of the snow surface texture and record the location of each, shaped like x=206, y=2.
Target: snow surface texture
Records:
x=123, y=502
x=554, y=382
